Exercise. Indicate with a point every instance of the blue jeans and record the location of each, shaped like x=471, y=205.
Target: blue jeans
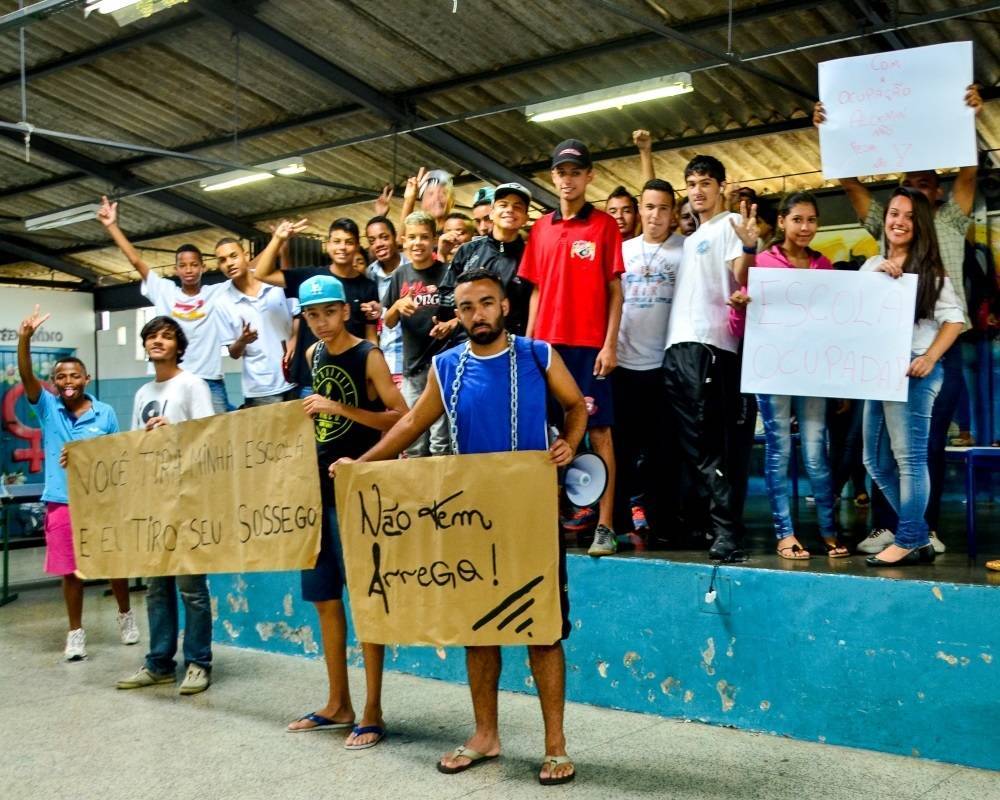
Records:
x=896, y=437
x=776, y=413
x=220, y=400
x=161, y=608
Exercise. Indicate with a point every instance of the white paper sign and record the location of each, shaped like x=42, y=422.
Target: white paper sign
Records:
x=899, y=111
x=828, y=333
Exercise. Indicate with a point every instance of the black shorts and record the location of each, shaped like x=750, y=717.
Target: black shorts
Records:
x=325, y=581
x=596, y=391
x=563, y=590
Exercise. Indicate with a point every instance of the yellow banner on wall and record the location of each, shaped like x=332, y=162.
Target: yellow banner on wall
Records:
x=236, y=492
x=452, y=550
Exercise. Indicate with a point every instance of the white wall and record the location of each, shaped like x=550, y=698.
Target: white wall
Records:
x=72, y=322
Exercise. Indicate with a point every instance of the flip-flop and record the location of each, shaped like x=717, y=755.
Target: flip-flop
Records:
x=320, y=723
x=462, y=751
x=798, y=553
x=832, y=544
x=993, y=565
x=357, y=730
x=555, y=761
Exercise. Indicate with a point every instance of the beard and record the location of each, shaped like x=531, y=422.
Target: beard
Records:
x=489, y=336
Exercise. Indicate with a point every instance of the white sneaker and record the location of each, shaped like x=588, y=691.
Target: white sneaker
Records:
x=876, y=541
x=939, y=547
x=76, y=645
x=196, y=680
x=127, y=627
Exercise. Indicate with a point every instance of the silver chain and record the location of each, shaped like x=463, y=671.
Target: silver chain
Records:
x=456, y=384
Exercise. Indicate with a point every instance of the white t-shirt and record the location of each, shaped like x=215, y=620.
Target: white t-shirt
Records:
x=270, y=314
x=183, y=397
x=704, y=284
x=648, y=288
x=195, y=314
x=948, y=308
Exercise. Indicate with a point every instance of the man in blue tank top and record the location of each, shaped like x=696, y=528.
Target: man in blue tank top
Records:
x=492, y=390
x=353, y=400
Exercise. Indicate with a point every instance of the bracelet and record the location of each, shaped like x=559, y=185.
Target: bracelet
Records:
x=750, y=251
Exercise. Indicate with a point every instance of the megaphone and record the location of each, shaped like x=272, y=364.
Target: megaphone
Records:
x=585, y=480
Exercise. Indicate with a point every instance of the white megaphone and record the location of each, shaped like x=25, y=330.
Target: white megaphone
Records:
x=585, y=480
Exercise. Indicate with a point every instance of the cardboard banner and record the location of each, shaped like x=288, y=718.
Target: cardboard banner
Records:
x=900, y=111
x=828, y=333
x=236, y=492
x=452, y=550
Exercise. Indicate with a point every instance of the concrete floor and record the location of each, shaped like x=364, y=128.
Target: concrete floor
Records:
x=66, y=732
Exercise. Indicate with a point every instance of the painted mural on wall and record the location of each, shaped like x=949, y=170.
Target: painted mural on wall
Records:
x=22, y=459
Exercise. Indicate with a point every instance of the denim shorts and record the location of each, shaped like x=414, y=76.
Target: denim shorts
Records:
x=325, y=581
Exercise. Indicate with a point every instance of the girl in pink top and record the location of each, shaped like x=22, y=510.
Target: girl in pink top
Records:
x=798, y=220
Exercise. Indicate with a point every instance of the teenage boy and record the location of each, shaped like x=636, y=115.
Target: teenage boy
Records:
x=652, y=261
x=191, y=304
x=574, y=261
x=458, y=228
x=384, y=246
x=412, y=303
x=701, y=365
x=342, y=245
x=175, y=396
x=482, y=205
x=354, y=400
x=257, y=324
x=952, y=218
x=486, y=366
x=623, y=207
x=501, y=250
x=67, y=416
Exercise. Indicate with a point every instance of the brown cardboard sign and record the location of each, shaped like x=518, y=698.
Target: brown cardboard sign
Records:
x=452, y=550
x=235, y=492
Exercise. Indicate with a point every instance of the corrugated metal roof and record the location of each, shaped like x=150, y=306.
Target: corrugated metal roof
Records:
x=177, y=90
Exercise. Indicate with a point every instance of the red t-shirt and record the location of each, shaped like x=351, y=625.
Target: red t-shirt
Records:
x=572, y=262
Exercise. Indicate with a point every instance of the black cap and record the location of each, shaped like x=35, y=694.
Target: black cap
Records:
x=571, y=151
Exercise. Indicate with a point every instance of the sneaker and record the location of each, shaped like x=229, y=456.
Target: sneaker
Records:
x=127, y=627
x=604, y=543
x=876, y=541
x=939, y=547
x=76, y=645
x=578, y=519
x=143, y=678
x=196, y=680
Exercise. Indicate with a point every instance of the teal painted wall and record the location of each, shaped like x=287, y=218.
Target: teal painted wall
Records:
x=900, y=666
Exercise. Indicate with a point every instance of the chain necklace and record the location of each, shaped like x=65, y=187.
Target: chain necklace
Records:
x=456, y=384
x=647, y=266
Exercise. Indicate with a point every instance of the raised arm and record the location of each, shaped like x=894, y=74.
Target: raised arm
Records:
x=410, y=197
x=107, y=215
x=32, y=386
x=964, y=190
x=266, y=264
x=644, y=143
x=747, y=231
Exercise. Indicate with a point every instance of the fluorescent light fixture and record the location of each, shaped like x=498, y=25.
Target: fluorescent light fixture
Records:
x=612, y=97
x=103, y=320
x=261, y=172
x=107, y=6
x=125, y=12
x=59, y=219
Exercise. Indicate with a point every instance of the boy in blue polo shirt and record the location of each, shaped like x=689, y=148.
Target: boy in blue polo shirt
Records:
x=66, y=416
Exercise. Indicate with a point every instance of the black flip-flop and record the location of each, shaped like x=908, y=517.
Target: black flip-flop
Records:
x=552, y=762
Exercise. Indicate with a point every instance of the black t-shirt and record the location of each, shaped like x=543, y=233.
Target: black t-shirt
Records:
x=502, y=259
x=425, y=286
x=358, y=290
x=343, y=378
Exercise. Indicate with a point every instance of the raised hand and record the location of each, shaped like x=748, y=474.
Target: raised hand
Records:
x=248, y=334
x=286, y=229
x=413, y=184
x=819, y=114
x=746, y=229
x=31, y=324
x=972, y=98
x=642, y=140
x=107, y=214
x=383, y=201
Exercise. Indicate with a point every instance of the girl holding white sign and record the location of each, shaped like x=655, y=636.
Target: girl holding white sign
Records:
x=798, y=221
x=895, y=433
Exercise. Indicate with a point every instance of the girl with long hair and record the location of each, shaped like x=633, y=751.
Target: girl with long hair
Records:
x=895, y=433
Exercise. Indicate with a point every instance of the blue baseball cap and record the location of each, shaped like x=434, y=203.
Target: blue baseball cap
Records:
x=321, y=289
x=484, y=197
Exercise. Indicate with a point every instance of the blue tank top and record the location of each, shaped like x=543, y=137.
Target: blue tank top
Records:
x=483, y=409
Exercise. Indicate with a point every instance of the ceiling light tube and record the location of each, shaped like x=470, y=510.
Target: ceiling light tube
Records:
x=260, y=172
x=612, y=97
x=59, y=219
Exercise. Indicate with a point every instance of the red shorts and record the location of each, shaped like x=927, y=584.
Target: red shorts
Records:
x=59, y=557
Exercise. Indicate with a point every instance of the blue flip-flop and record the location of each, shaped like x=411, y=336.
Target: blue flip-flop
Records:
x=320, y=723
x=359, y=731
